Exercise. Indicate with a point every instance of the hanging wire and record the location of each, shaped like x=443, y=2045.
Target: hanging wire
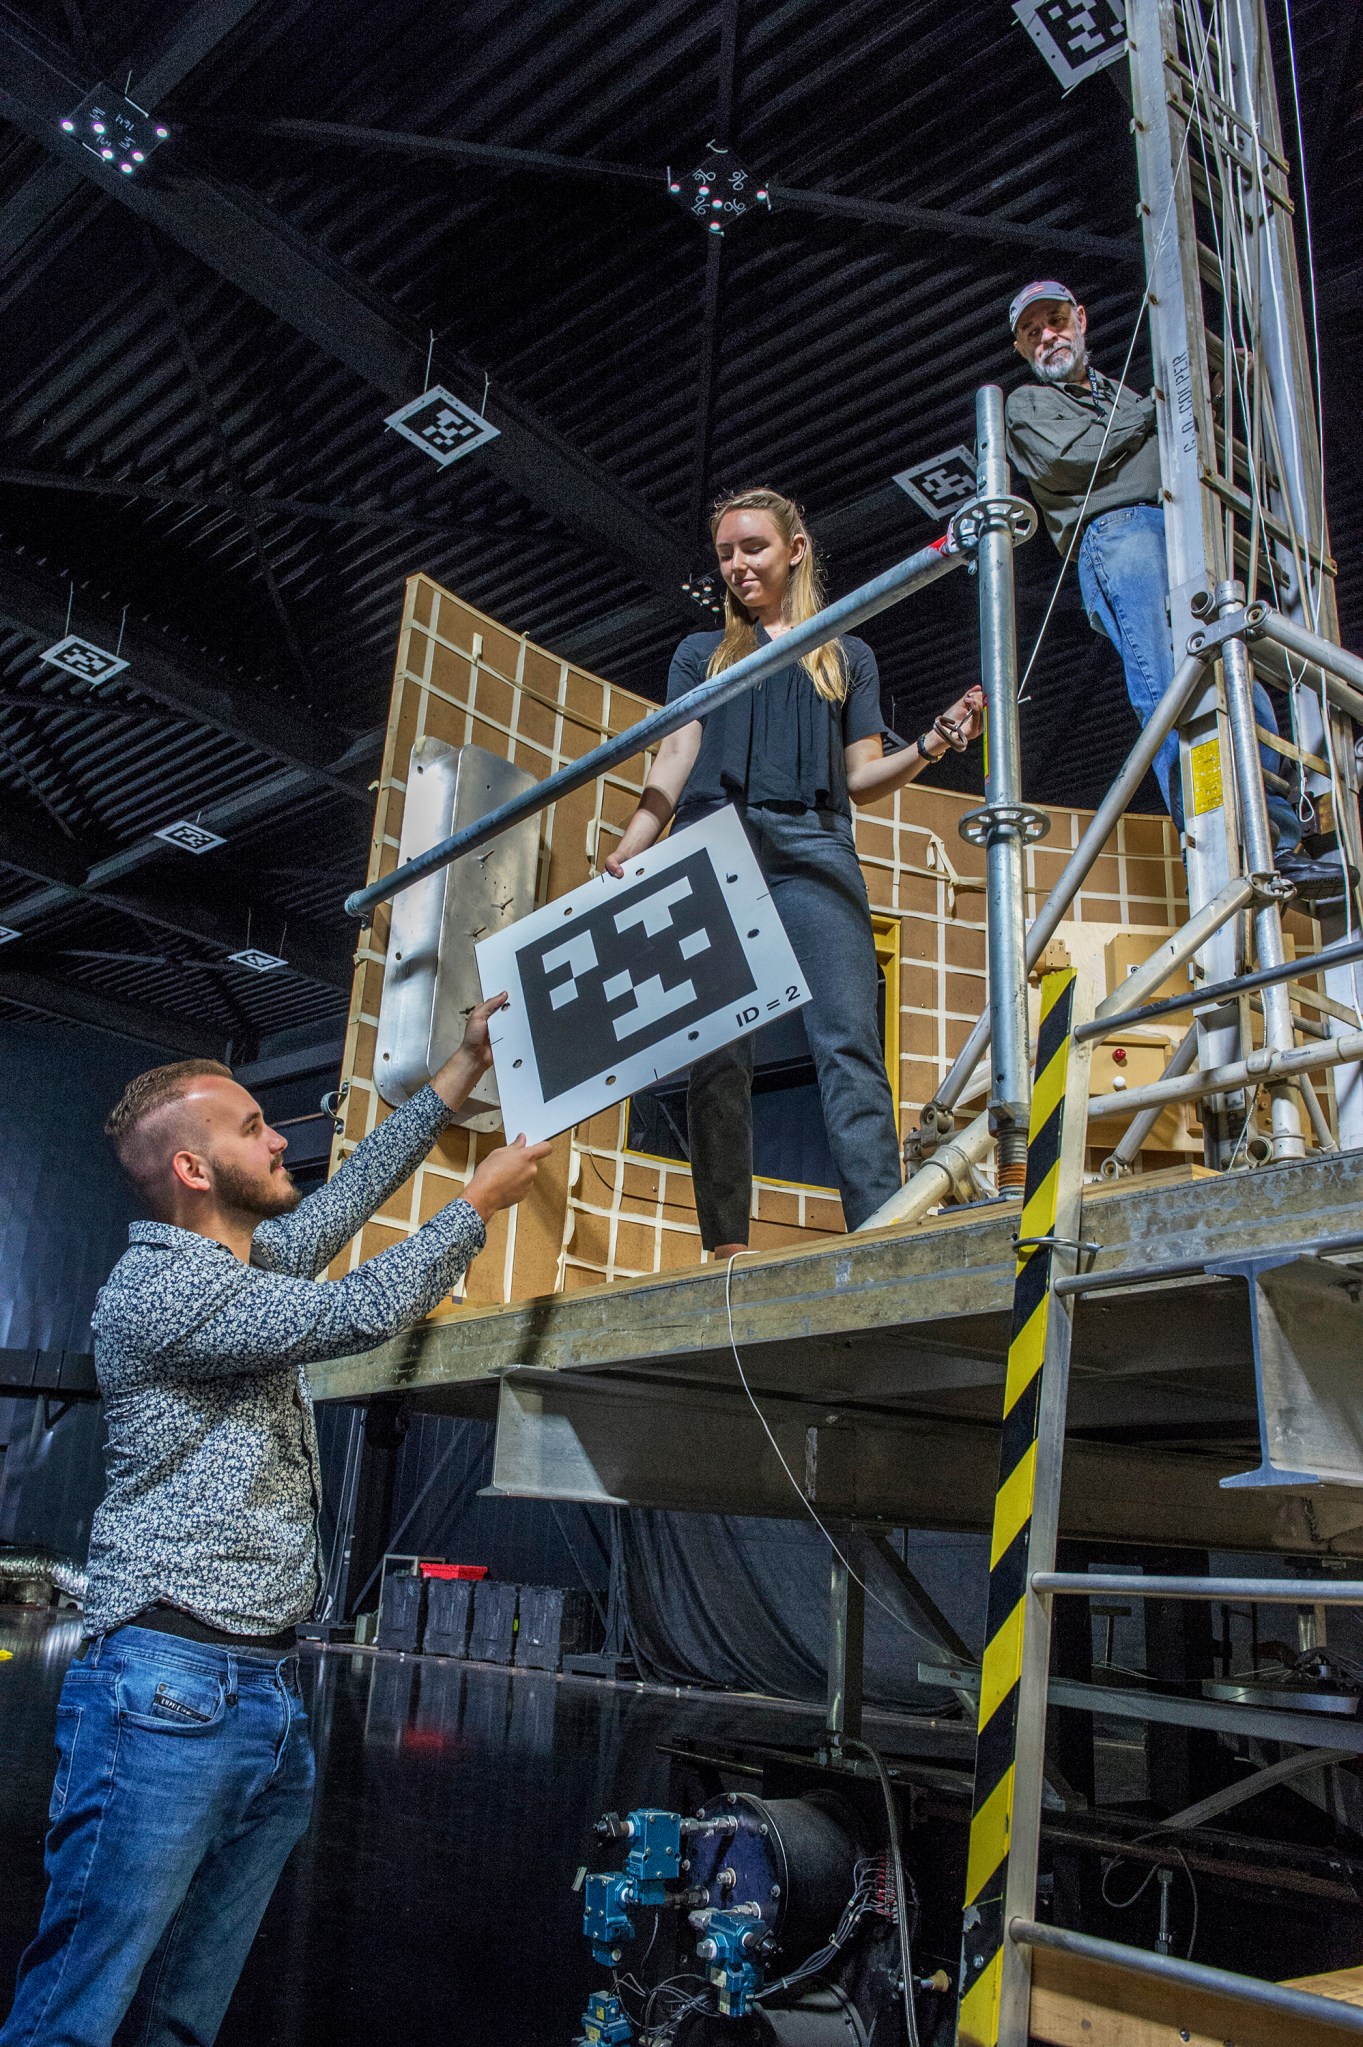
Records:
x=1107, y=430
x=1239, y=272
x=796, y=1487
x=1247, y=276
x=1315, y=593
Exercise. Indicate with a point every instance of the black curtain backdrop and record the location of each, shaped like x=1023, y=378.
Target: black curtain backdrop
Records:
x=702, y=1599
x=711, y=1599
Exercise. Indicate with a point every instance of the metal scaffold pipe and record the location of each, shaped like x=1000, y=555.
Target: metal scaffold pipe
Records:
x=1080, y=863
x=915, y=572
x=1256, y=838
x=1343, y=671
x=1265, y=1067
x=1004, y=824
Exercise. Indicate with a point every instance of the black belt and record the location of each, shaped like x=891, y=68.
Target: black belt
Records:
x=170, y=1620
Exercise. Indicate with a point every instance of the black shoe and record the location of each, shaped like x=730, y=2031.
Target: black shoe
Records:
x=1316, y=881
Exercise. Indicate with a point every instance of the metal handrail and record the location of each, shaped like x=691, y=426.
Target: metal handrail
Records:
x=1263, y=1591
x=1252, y=1990
x=915, y=572
x=1224, y=991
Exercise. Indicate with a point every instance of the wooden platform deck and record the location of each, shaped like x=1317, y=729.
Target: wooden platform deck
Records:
x=877, y=1362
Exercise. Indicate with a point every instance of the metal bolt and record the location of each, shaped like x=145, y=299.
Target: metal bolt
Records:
x=776, y=1890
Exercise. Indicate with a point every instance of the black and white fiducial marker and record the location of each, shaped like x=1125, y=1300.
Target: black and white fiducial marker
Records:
x=622, y=983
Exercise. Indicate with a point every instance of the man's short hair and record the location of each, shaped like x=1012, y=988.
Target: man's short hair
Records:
x=140, y=1099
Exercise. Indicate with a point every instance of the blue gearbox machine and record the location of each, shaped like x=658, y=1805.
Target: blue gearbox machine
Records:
x=796, y=1926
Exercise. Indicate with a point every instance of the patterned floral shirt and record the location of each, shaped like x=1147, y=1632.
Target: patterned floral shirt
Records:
x=213, y=1479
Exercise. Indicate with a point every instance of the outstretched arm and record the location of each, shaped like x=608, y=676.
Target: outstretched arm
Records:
x=669, y=775
x=247, y=1320
x=871, y=772
x=306, y=1241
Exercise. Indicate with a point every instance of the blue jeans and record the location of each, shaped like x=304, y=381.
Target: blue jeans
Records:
x=184, y=1777
x=809, y=858
x=1124, y=581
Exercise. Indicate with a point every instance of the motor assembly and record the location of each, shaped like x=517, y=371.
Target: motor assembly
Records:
x=796, y=1926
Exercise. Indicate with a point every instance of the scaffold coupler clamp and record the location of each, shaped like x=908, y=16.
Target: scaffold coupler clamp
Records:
x=936, y=1123
x=1273, y=887
x=1004, y=820
x=1234, y=625
x=968, y=526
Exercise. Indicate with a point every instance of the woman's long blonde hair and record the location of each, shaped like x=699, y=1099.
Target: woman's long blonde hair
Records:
x=827, y=666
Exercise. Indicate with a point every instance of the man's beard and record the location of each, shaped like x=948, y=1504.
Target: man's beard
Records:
x=255, y=1194
x=1068, y=360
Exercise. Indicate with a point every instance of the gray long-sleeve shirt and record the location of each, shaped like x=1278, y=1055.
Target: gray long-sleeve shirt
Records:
x=214, y=1485
x=1055, y=438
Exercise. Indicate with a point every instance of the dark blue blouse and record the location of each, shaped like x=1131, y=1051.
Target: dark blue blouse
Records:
x=780, y=742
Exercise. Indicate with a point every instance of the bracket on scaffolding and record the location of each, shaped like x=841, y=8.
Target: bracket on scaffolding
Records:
x=988, y=515
x=1236, y=625
x=978, y=826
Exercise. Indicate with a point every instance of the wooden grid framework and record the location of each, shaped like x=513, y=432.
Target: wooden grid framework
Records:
x=599, y=1211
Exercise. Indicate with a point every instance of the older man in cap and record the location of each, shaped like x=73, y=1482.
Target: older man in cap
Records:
x=1089, y=449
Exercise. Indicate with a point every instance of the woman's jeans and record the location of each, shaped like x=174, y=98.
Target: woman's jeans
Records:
x=1124, y=581
x=184, y=1777
x=809, y=858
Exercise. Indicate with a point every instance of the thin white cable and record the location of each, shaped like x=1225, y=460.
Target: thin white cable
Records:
x=1107, y=431
x=1244, y=297
x=796, y=1487
x=1315, y=591
x=1315, y=307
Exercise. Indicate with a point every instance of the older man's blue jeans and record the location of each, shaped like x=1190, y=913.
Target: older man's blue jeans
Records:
x=1124, y=581
x=184, y=1777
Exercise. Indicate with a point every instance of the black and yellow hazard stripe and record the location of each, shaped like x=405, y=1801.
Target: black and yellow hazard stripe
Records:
x=992, y=1814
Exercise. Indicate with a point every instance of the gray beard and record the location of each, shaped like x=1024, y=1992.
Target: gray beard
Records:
x=1061, y=369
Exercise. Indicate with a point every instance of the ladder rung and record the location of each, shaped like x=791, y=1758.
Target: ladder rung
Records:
x=1304, y=2005
x=1244, y=506
x=1263, y=1591
x=1222, y=107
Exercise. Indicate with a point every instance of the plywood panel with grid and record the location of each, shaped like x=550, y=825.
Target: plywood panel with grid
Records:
x=600, y=1212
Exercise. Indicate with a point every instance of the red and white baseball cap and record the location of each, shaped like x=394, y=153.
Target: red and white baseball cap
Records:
x=1044, y=288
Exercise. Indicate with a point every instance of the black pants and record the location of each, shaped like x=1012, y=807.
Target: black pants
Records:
x=810, y=860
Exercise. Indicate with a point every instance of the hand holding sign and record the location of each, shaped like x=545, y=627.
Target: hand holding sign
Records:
x=621, y=983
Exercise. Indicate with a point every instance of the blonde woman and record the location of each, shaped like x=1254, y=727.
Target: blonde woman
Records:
x=792, y=755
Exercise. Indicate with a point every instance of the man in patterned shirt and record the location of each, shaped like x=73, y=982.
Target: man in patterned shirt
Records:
x=185, y=1770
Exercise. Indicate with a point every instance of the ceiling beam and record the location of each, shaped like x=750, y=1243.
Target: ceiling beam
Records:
x=74, y=1003
x=242, y=239
x=379, y=517
x=154, y=69
x=31, y=845
x=941, y=220
x=233, y=814
x=979, y=227
x=35, y=601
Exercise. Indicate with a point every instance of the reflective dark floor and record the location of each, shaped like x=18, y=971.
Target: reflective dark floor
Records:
x=432, y=1900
